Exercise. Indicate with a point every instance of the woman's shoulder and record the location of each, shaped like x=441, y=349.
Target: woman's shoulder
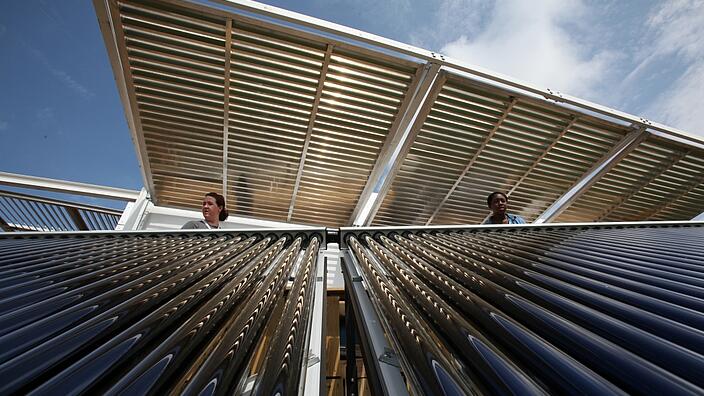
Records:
x=193, y=225
x=515, y=219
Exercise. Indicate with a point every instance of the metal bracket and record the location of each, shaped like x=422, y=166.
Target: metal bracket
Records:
x=389, y=357
x=313, y=359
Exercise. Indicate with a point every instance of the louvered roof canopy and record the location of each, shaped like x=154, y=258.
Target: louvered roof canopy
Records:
x=297, y=119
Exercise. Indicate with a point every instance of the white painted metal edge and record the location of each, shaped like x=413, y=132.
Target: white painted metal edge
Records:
x=68, y=187
x=473, y=70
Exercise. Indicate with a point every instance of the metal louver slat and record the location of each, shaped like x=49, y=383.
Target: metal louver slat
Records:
x=176, y=61
x=272, y=92
x=154, y=312
x=475, y=141
x=646, y=184
x=612, y=309
x=359, y=102
x=299, y=120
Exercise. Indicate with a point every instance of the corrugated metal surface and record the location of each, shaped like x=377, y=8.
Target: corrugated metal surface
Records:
x=527, y=310
x=290, y=122
x=659, y=180
x=154, y=313
x=23, y=212
x=477, y=140
x=302, y=124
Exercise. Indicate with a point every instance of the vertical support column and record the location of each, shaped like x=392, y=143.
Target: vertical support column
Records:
x=134, y=212
x=226, y=105
x=350, y=347
x=313, y=371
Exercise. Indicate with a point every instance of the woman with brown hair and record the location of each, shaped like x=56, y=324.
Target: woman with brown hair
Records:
x=214, y=212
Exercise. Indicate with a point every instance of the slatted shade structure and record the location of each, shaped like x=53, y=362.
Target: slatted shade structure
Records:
x=614, y=309
x=300, y=120
x=23, y=212
x=157, y=313
x=294, y=138
x=658, y=180
x=475, y=140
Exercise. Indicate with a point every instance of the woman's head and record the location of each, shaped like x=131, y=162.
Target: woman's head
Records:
x=497, y=202
x=213, y=208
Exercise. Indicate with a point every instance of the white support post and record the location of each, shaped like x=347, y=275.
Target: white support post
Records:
x=313, y=370
x=134, y=212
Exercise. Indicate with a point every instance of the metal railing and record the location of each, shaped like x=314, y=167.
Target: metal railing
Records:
x=23, y=212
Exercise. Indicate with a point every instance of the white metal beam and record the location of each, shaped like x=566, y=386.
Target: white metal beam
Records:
x=378, y=41
x=415, y=115
x=622, y=148
x=409, y=108
x=111, y=28
x=68, y=187
x=309, y=132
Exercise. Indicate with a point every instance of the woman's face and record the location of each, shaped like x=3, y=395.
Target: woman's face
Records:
x=498, y=204
x=210, y=210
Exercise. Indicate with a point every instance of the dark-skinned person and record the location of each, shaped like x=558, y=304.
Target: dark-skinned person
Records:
x=498, y=203
x=214, y=212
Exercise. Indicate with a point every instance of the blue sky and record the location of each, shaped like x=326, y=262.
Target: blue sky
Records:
x=61, y=117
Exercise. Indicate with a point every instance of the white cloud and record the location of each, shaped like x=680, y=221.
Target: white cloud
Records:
x=529, y=40
x=451, y=20
x=678, y=30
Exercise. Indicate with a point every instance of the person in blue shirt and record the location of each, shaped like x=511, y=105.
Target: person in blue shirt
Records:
x=498, y=202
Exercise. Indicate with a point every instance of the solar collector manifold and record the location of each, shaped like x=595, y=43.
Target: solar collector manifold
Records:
x=530, y=309
x=178, y=312
x=595, y=309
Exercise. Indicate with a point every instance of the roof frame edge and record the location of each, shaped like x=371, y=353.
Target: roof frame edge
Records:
x=431, y=56
x=106, y=11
